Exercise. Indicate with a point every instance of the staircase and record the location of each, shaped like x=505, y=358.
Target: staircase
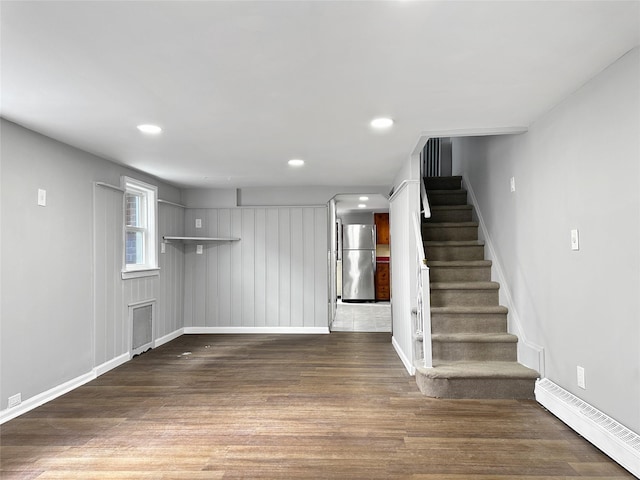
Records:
x=473, y=355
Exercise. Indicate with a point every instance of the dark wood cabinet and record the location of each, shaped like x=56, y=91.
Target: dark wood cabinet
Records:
x=382, y=281
x=381, y=221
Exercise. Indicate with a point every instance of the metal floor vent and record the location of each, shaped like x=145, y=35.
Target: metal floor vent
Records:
x=620, y=443
x=141, y=317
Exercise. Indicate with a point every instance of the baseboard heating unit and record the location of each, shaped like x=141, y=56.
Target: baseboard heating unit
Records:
x=613, y=438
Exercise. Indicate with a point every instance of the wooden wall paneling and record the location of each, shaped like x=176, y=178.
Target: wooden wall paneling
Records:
x=321, y=281
x=275, y=276
x=260, y=288
x=284, y=267
x=108, y=299
x=189, y=275
x=236, y=306
x=308, y=279
x=272, y=267
x=169, y=309
x=297, y=268
x=223, y=304
x=211, y=289
x=248, y=267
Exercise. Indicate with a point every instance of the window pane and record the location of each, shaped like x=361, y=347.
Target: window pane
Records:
x=134, y=248
x=133, y=210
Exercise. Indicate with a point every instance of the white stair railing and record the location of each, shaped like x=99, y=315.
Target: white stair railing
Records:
x=422, y=327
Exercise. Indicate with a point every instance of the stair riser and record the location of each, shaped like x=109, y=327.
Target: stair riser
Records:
x=448, y=198
x=430, y=233
x=443, y=183
x=484, y=388
x=460, y=274
x=457, y=215
x=464, y=298
x=484, y=351
x=468, y=323
x=451, y=253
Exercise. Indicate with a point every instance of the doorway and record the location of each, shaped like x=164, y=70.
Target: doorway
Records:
x=370, y=312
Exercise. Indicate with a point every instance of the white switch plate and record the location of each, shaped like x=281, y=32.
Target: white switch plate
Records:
x=512, y=184
x=15, y=400
x=198, y=223
x=163, y=247
x=199, y=249
x=575, y=239
x=581, y=380
x=42, y=197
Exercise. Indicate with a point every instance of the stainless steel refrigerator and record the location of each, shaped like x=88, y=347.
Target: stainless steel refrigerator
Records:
x=358, y=262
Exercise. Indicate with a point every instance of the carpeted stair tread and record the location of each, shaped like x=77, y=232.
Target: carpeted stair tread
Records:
x=478, y=309
x=450, y=224
x=474, y=337
x=436, y=208
x=464, y=286
x=446, y=192
x=489, y=369
x=453, y=243
x=459, y=263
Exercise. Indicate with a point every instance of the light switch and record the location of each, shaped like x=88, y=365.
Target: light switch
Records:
x=575, y=239
x=512, y=184
x=163, y=247
x=42, y=197
x=198, y=223
x=199, y=249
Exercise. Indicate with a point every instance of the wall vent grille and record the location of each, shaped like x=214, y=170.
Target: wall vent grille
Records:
x=616, y=440
x=141, y=316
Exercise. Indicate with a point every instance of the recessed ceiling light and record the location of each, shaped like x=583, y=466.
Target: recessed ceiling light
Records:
x=362, y=205
x=381, y=122
x=152, y=129
x=296, y=162
x=363, y=199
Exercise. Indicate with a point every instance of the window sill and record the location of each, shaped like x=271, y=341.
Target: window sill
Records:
x=147, y=272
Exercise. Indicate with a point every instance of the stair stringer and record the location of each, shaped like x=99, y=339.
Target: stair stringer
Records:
x=530, y=354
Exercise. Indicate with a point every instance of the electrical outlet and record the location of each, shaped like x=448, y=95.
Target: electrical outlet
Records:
x=199, y=249
x=581, y=379
x=575, y=239
x=198, y=223
x=512, y=184
x=15, y=400
x=42, y=197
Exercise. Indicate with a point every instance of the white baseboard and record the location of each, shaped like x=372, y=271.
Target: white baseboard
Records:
x=167, y=338
x=111, y=364
x=408, y=364
x=231, y=330
x=613, y=438
x=529, y=353
x=44, y=397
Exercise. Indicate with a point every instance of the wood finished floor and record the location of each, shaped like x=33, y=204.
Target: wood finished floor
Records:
x=336, y=406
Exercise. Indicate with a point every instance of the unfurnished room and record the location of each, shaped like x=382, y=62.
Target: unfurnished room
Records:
x=320, y=239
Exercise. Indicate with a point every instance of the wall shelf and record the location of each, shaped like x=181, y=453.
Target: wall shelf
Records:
x=200, y=239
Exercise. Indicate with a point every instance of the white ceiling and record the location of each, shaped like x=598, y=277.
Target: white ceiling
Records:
x=240, y=87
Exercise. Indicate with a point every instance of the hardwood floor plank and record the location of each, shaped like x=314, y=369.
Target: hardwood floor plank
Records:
x=338, y=406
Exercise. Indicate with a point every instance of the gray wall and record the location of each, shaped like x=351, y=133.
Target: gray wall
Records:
x=49, y=334
x=275, y=276
x=577, y=167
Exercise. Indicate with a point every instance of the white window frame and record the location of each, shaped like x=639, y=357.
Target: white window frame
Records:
x=149, y=267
